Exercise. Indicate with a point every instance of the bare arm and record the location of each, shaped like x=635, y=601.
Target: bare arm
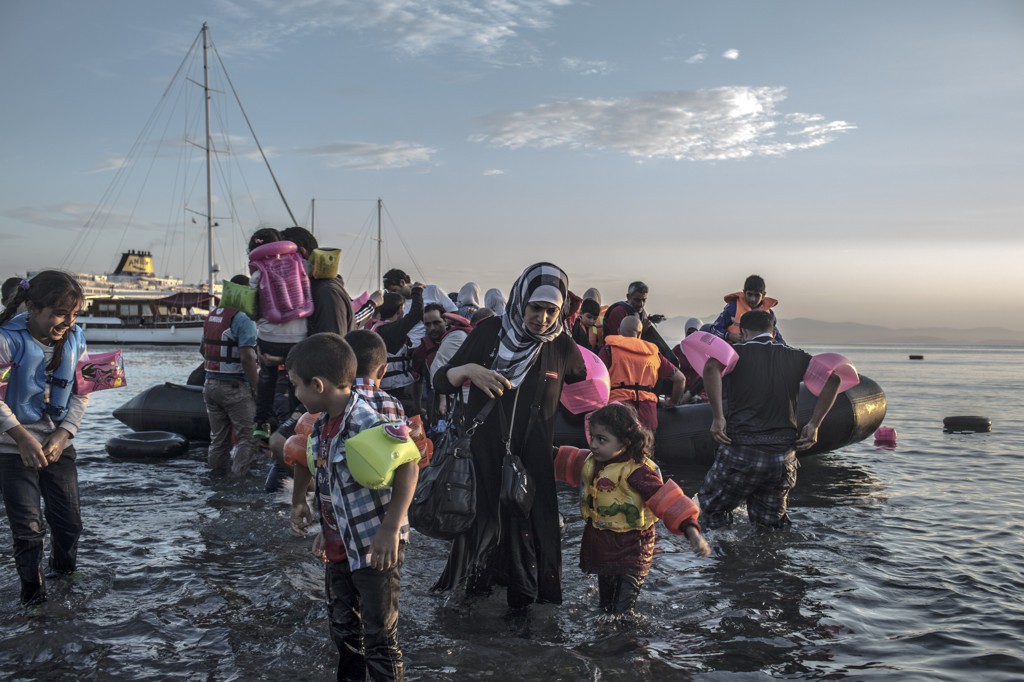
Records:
x=713, y=386
x=384, y=548
x=301, y=516
x=809, y=434
x=250, y=366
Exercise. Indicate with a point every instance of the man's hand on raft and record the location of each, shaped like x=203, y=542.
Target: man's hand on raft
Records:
x=808, y=437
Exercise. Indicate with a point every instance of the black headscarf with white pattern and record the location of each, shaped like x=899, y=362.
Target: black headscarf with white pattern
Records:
x=518, y=348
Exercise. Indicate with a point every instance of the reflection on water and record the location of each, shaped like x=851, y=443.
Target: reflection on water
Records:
x=900, y=565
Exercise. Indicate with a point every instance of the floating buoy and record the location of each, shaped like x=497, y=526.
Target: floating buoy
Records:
x=968, y=424
x=917, y=357
x=885, y=437
x=143, y=445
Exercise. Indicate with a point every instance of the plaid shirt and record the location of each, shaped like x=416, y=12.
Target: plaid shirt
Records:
x=359, y=511
x=382, y=401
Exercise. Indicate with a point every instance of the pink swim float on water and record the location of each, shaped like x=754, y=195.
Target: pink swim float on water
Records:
x=825, y=365
x=700, y=346
x=885, y=437
x=591, y=393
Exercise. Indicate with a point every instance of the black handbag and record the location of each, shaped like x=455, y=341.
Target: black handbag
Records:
x=517, y=487
x=444, y=504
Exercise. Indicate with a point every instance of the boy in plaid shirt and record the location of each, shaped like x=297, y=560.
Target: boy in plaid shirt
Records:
x=363, y=531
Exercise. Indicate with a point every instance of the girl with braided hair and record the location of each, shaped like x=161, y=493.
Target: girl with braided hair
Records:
x=622, y=495
x=40, y=413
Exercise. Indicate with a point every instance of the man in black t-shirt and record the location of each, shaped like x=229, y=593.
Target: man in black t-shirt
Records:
x=756, y=459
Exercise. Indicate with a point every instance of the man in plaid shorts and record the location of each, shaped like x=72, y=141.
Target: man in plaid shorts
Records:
x=758, y=439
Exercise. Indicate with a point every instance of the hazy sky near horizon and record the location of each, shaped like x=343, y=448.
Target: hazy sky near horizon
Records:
x=866, y=158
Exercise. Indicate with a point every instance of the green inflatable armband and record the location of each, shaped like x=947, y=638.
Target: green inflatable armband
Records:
x=373, y=455
x=239, y=297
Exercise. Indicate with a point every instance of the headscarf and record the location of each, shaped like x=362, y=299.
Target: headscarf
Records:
x=593, y=294
x=433, y=294
x=469, y=299
x=495, y=300
x=518, y=348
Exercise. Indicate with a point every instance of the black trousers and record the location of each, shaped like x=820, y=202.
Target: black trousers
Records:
x=57, y=486
x=362, y=607
x=618, y=593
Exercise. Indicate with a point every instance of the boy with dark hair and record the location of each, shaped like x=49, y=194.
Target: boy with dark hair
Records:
x=590, y=310
x=363, y=531
x=371, y=364
x=756, y=459
x=739, y=303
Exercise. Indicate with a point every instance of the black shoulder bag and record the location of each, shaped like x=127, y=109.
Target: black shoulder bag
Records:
x=517, y=486
x=444, y=504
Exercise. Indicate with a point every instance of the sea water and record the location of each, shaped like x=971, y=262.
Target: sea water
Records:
x=901, y=564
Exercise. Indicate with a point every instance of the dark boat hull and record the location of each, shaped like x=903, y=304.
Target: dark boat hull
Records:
x=168, y=407
x=684, y=433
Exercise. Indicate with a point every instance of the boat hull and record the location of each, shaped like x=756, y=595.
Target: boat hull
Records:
x=174, y=335
x=168, y=407
x=684, y=433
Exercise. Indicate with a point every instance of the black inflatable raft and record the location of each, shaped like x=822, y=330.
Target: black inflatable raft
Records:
x=684, y=433
x=168, y=407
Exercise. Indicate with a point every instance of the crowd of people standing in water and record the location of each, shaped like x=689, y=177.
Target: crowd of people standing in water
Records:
x=411, y=353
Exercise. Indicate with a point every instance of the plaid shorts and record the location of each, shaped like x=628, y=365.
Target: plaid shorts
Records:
x=758, y=475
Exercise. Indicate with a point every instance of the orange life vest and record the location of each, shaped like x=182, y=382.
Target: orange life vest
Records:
x=634, y=370
x=767, y=303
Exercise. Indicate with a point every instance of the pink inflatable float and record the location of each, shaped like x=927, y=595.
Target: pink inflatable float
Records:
x=700, y=346
x=591, y=393
x=825, y=365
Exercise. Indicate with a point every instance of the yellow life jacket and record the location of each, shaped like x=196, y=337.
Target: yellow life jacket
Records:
x=634, y=370
x=767, y=303
x=608, y=502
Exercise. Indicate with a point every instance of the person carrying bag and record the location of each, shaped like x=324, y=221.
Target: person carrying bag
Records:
x=444, y=504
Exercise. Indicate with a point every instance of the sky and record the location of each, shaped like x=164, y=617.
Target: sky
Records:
x=866, y=158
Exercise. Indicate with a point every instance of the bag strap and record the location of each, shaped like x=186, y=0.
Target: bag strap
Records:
x=542, y=383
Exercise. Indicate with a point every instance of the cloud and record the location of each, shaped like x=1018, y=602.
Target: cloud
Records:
x=72, y=216
x=411, y=26
x=701, y=125
x=494, y=171
x=368, y=156
x=586, y=67
x=111, y=164
x=731, y=54
x=697, y=58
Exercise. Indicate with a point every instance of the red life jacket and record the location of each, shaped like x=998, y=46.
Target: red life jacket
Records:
x=219, y=347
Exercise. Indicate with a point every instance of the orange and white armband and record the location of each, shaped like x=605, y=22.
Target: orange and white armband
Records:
x=569, y=464
x=673, y=507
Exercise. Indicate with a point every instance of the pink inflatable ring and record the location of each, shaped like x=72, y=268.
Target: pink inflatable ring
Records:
x=591, y=393
x=824, y=366
x=700, y=346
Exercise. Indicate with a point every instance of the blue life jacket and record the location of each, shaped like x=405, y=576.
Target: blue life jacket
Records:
x=26, y=390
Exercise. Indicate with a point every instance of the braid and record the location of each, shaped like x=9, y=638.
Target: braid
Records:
x=19, y=297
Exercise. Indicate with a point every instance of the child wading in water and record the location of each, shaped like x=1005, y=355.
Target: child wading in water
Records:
x=622, y=495
x=39, y=350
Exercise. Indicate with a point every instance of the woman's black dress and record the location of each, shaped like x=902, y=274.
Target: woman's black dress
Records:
x=503, y=548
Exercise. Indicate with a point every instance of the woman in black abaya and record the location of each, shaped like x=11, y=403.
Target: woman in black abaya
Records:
x=524, y=354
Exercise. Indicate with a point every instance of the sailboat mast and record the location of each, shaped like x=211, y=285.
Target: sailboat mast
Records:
x=312, y=217
x=209, y=169
x=380, y=243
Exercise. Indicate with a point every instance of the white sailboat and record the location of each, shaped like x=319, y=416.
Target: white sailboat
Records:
x=133, y=305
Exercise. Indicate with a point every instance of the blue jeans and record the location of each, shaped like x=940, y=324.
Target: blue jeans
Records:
x=362, y=607
x=23, y=487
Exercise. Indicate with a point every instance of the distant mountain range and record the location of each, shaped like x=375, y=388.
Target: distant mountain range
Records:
x=801, y=331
